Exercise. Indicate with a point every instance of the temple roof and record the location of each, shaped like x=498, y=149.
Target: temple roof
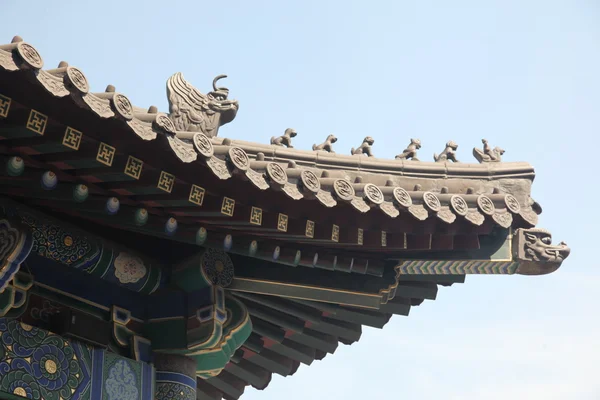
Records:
x=375, y=236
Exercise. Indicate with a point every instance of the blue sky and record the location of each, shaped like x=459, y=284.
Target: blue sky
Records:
x=523, y=74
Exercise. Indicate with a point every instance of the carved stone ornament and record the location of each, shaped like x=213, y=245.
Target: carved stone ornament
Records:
x=449, y=153
x=512, y=204
x=431, y=202
x=343, y=189
x=388, y=208
x=30, y=55
x=164, y=123
x=475, y=217
x=192, y=111
x=360, y=205
x=310, y=181
x=459, y=205
x=364, y=148
x=217, y=267
x=402, y=197
x=100, y=106
x=418, y=211
x=285, y=139
x=327, y=145
x=218, y=167
x=77, y=79
x=446, y=215
x=184, y=151
x=52, y=83
x=142, y=129
x=534, y=250
x=122, y=106
x=203, y=145
x=292, y=191
x=326, y=198
x=373, y=194
x=257, y=179
x=488, y=154
x=411, y=151
x=504, y=219
x=276, y=173
x=486, y=205
x=238, y=158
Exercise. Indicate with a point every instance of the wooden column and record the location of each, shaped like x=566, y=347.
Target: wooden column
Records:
x=175, y=377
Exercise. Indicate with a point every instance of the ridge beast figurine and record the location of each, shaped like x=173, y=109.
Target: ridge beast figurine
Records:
x=488, y=154
x=285, y=139
x=449, y=153
x=327, y=145
x=410, y=151
x=364, y=148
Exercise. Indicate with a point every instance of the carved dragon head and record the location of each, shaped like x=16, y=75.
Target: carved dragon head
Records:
x=536, y=253
x=416, y=143
x=331, y=139
x=192, y=111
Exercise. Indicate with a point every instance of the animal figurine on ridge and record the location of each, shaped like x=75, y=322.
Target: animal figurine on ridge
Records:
x=364, y=148
x=327, y=145
x=285, y=139
x=488, y=154
x=449, y=153
x=410, y=151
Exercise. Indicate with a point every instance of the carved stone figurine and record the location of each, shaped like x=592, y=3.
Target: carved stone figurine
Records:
x=410, y=151
x=488, y=154
x=192, y=111
x=285, y=139
x=449, y=153
x=327, y=145
x=364, y=148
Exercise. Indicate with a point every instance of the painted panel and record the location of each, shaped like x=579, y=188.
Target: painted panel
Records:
x=40, y=365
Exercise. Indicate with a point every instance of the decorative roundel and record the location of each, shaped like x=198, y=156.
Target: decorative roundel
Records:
x=49, y=180
x=122, y=106
x=77, y=79
x=238, y=158
x=171, y=226
x=227, y=242
x=217, y=267
x=402, y=197
x=165, y=123
x=276, y=173
x=112, y=205
x=373, y=193
x=140, y=217
x=276, y=253
x=486, y=205
x=459, y=205
x=310, y=181
x=432, y=202
x=343, y=189
x=15, y=166
x=80, y=193
x=203, y=145
x=30, y=55
x=253, y=248
x=201, y=236
x=512, y=204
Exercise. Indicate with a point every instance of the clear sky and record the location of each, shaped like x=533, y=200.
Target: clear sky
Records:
x=523, y=74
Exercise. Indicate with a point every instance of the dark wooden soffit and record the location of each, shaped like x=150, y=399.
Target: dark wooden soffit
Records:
x=135, y=159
